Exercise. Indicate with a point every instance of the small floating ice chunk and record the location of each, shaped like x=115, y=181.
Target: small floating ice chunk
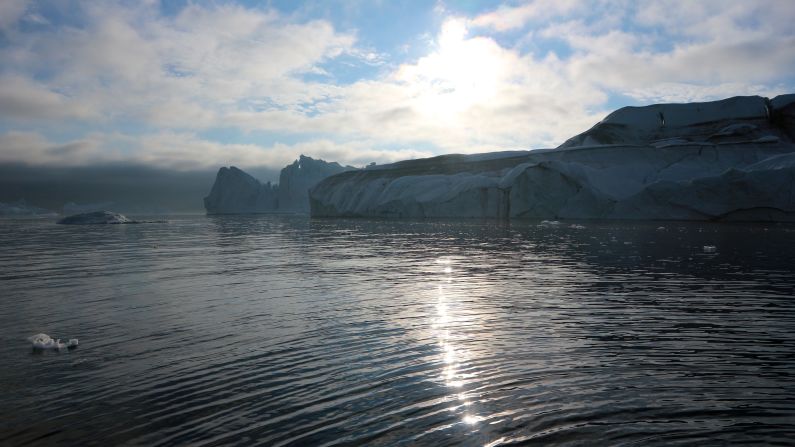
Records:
x=549, y=223
x=577, y=227
x=660, y=228
x=710, y=249
x=44, y=341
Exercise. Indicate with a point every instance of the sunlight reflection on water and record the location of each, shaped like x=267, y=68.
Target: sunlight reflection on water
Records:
x=452, y=355
x=289, y=331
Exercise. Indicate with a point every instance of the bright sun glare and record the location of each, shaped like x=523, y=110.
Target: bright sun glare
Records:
x=462, y=73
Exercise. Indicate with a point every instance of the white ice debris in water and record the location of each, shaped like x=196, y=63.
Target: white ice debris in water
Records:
x=710, y=249
x=44, y=341
x=549, y=223
x=577, y=227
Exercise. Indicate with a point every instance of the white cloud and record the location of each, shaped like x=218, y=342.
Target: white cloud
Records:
x=695, y=53
x=185, y=151
x=21, y=98
x=507, y=18
x=223, y=66
x=129, y=63
x=468, y=95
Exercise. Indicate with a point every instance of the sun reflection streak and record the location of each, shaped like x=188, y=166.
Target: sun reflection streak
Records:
x=451, y=355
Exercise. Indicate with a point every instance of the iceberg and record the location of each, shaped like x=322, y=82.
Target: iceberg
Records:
x=732, y=159
x=236, y=192
x=22, y=208
x=296, y=179
x=99, y=218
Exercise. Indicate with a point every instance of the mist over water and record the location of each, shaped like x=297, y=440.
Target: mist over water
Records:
x=133, y=189
x=293, y=331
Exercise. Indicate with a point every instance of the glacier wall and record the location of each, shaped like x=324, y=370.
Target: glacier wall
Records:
x=723, y=160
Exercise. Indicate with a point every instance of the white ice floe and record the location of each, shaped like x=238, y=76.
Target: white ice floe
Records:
x=549, y=223
x=44, y=341
x=710, y=249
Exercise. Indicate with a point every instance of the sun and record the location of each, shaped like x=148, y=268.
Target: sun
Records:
x=463, y=72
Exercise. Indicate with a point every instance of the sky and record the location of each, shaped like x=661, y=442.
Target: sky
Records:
x=195, y=85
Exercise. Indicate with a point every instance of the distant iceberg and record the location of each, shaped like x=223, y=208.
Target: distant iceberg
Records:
x=21, y=208
x=723, y=160
x=102, y=218
x=236, y=192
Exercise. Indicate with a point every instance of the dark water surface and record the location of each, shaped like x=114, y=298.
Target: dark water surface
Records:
x=281, y=330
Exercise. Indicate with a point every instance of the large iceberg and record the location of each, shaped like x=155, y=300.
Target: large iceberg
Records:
x=724, y=160
x=296, y=179
x=236, y=192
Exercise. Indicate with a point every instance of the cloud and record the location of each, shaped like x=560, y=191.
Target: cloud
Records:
x=139, y=86
x=185, y=151
x=33, y=148
x=470, y=94
x=23, y=99
x=130, y=63
x=506, y=18
x=696, y=51
x=10, y=12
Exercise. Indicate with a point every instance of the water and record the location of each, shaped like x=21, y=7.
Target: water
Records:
x=282, y=330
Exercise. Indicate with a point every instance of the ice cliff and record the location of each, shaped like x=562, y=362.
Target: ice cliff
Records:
x=296, y=179
x=236, y=192
x=724, y=160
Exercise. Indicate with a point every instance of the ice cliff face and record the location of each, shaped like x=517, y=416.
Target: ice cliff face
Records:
x=724, y=160
x=296, y=179
x=236, y=192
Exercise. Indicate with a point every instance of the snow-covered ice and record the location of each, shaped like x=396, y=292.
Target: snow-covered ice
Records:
x=44, y=341
x=723, y=160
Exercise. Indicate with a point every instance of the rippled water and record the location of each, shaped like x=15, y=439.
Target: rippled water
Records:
x=289, y=331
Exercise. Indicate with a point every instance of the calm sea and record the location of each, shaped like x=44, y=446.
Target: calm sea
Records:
x=279, y=330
